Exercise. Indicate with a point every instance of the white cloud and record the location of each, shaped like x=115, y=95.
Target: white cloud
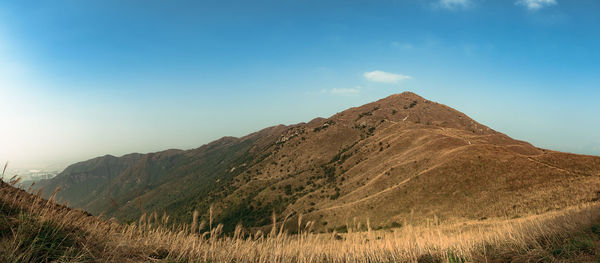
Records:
x=453, y=4
x=342, y=91
x=345, y=91
x=384, y=77
x=536, y=4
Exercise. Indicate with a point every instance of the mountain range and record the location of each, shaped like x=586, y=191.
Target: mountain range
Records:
x=396, y=160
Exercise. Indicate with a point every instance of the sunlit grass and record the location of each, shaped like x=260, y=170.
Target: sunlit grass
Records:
x=77, y=236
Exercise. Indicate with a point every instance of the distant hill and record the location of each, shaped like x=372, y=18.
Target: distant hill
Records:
x=402, y=158
x=83, y=181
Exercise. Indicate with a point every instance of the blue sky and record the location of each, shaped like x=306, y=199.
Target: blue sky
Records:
x=80, y=79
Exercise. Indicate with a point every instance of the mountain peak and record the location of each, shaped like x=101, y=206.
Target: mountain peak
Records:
x=410, y=109
x=405, y=95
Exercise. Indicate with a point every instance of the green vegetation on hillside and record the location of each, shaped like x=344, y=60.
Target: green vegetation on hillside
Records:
x=36, y=230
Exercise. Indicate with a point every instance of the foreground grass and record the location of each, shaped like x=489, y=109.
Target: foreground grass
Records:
x=36, y=230
x=24, y=238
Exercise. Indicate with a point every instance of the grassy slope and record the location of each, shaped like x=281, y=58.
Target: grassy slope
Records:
x=24, y=238
x=35, y=230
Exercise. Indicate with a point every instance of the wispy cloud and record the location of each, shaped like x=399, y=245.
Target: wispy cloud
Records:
x=385, y=77
x=453, y=4
x=342, y=91
x=534, y=5
x=345, y=91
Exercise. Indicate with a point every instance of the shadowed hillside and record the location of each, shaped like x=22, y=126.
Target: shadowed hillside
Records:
x=402, y=159
x=83, y=181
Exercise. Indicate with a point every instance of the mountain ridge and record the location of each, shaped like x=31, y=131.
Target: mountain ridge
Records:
x=396, y=159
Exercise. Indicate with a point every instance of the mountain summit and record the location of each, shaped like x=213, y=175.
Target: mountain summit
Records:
x=402, y=158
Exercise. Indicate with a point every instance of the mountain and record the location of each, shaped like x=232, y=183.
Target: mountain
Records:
x=402, y=158
x=82, y=181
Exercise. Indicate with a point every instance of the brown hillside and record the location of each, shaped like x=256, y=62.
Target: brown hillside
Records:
x=402, y=158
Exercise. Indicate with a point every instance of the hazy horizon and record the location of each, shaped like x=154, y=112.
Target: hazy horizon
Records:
x=80, y=80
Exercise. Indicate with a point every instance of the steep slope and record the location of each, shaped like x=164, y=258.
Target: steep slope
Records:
x=402, y=158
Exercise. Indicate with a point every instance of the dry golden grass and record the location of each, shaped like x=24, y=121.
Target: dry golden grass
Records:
x=534, y=238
